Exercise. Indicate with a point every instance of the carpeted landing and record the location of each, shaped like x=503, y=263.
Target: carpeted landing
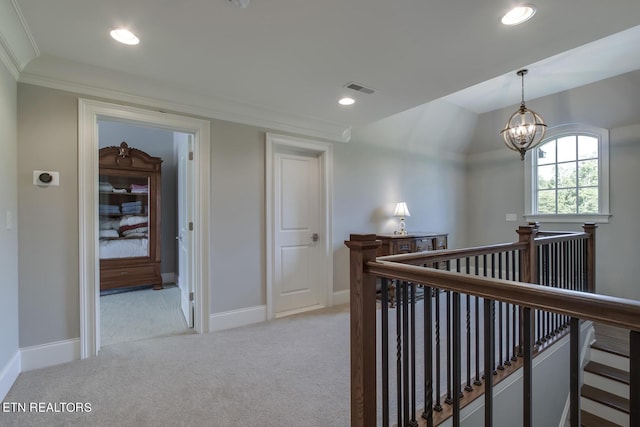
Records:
x=286, y=372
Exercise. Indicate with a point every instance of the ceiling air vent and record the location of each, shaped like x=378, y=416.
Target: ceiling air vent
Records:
x=359, y=88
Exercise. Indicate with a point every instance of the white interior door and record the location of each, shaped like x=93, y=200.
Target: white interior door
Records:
x=298, y=257
x=184, y=143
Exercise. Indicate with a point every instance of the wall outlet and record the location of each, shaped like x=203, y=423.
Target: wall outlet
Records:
x=512, y=217
x=46, y=178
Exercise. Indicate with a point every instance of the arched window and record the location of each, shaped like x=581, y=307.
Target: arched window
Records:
x=567, y=176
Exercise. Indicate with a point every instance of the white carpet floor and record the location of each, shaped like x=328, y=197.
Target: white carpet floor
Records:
x=286, y=372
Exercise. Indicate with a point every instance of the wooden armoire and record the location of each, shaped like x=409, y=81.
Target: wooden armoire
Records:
x=129, y=218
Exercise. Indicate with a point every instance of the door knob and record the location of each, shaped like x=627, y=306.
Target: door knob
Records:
x=315, y=237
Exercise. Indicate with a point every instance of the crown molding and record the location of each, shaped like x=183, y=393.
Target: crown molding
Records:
x=195, y=104
x=17, y=45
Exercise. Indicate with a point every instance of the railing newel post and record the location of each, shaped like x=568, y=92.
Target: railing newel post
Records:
x=363, y=248
x=528, y=267
x=590, y=229
x=634, y=377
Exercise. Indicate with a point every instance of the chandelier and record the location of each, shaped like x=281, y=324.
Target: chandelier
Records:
x=524, y=129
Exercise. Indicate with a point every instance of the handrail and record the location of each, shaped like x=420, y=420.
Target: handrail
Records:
x=610, y=310
x=547, y=284
x=449, y=254
x=545, y=239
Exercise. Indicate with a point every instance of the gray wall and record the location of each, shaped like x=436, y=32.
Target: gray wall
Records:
x=8, y=203
x=368, y=180
x=390, y=160
x=158, y=143
x=495, y=177
x=48, y=232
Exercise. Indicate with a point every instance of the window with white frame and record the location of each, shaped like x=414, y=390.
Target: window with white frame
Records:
x=567, y=176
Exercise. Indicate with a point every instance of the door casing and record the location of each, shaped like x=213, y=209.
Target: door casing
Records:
x=324, y=151
x=89, y=112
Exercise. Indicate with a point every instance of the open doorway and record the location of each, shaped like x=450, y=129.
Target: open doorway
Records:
x=90, y=114
x=131, y=308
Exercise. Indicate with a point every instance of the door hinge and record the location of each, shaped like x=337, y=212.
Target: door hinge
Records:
x=191, y=226
x=191, y=297
x=190, y=155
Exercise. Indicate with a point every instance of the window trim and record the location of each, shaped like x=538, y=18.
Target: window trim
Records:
x=603, y=177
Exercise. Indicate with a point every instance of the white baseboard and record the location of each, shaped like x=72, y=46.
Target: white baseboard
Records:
x=235, y=318
x=55, y=353
x=341, y=297
x=9, y=374
x=169, y=278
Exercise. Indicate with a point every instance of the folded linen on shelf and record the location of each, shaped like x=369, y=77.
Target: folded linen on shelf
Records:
x=132, y=207
x=125, y=228
x=105, y=186
x=109, y=224
x=135, y=188
x=138, y=232
x=132, y=220
x=109, y=209
x=124, y=248
x=109, y=233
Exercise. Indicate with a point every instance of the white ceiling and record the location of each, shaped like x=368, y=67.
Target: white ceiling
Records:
x=289, y=59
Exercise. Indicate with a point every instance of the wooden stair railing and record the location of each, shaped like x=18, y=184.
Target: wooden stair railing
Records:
x=540, y=255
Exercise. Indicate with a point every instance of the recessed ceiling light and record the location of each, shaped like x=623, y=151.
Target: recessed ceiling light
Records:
x=519, y=14
x=346, y=101
x=125, y=36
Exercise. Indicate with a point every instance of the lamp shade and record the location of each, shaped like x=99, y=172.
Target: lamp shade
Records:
x=401, y=210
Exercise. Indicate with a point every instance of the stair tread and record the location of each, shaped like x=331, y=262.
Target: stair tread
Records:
x=611, y=339
x=605, y=398
x=608, y=372
x=609, y=348
x=587, y=419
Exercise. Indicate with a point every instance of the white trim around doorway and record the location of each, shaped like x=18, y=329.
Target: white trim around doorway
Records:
x=324, y=151
x=89, y=111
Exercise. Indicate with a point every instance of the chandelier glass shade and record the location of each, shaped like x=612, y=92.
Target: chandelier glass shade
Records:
x=525, y=128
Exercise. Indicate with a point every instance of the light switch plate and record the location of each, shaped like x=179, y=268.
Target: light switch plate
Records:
x=512, y=217
x=55, y=178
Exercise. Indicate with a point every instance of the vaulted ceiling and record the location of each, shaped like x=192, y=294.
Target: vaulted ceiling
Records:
x=284, y=63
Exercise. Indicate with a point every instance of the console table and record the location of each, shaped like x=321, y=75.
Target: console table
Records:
x=393, y=244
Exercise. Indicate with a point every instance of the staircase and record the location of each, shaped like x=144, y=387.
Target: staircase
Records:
x=605, y=391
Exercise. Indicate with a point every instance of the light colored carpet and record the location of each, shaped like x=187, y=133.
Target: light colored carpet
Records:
x=141, y=314
x=286, y=372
